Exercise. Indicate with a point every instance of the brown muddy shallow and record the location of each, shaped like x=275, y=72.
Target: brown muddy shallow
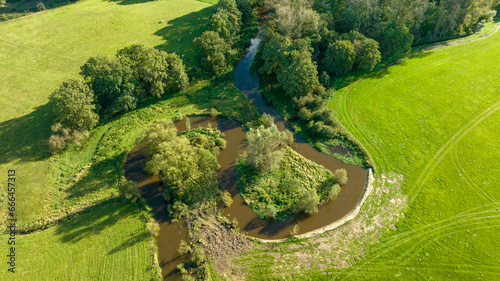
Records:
x=171, y=234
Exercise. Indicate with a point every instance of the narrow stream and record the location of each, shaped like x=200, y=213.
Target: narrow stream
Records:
x=250, y=224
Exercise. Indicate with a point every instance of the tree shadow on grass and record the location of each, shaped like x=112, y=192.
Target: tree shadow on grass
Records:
x=94, y=223
x=26, y=138
x=132, y=241
x=131, y=2
x=102, y=174
x=179, y=34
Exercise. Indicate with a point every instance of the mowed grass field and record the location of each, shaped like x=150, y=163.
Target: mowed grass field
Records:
x=434, y=119
x=38, y=52
x=110, y=243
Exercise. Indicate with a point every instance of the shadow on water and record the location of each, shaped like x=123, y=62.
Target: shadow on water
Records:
x=25, y=138
x=170, y=234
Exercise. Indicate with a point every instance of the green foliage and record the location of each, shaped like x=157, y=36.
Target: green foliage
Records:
x=129, y=190
x=367, y=54
x=226, y=20
x=163, y=130
x=339, y=58
x=308, y=203
x=185, y=163
x=62, y=137
x=157, y=71
x=74, y=105
x=340, y=176
x=263, y=149
x=298, y=75
x=290, y=64
x=227, y=199
x=137, y=72
x=394, y=39
x=276, y=195
x=113, y=84
x=153, y=228
x=40, y=6
x=294, y=19
x=246, y=8
x=213, y=112
x=215, y=51
x=271, y=211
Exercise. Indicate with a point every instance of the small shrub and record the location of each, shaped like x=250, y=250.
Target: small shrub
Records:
x=227, y=199
x=308, y=203
x=184, y=248
x=268, y=120
x=40, y=6
x=188, y=123
x=197, y=255
x=63, y=136
x=214, y=112
x=221, y=143
x=334, y=191
x=179, y=116
x=271, y=211
x=340, y=176
x=153, y=228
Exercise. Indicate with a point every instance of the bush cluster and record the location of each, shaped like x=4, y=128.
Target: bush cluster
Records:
x=264, y=143
x=111, y=86
x=185, y=163
x=296, y=186
x=223, y=31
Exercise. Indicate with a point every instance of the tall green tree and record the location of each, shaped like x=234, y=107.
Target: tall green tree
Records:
x=74, y=105
x=264, y=145
x=113, y=83
x=216, y=52
x=157, y=71
x=299, y=74
x=339, y=58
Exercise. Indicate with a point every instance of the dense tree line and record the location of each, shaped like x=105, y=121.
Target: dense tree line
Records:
x=110, y=86
x=224, y=30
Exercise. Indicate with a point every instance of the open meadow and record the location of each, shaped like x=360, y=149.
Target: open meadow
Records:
x=434, y=120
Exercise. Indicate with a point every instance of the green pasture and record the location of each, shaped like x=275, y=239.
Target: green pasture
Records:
x=110, y=243
x=434, y=119
x=38, y=52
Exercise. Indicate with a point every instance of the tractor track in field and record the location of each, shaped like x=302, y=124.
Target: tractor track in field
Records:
x=463, y=222
x=445, y=149
x=468, y=179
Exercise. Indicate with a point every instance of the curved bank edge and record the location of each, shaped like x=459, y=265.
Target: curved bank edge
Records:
x=354, y=212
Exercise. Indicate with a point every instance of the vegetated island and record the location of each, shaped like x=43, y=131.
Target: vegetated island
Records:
x=276, y=181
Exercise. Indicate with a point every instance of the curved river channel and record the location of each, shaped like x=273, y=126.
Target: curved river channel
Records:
x=249, y=223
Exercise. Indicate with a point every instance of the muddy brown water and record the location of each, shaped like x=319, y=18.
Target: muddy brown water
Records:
x=172, y=233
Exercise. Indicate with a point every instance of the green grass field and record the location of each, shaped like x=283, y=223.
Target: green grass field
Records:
x=110, y=243
x=434, y=119
x=42, y=50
